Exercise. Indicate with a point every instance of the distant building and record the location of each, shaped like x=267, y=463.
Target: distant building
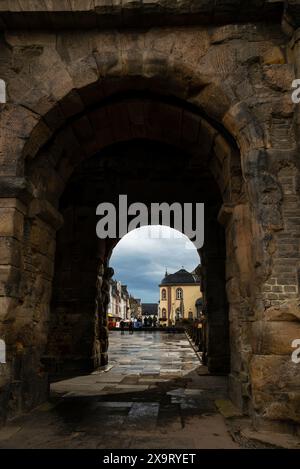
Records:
x=149, y=309
x=180, y=297
x=122, y=305
x=135, y=307
x=119, y=305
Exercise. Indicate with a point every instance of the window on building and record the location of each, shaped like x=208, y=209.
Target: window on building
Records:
x=163, y=294
x=179, y=294
x=191, y=315
x=164, y=313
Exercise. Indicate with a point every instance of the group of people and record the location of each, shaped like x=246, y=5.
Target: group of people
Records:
x=130, y=327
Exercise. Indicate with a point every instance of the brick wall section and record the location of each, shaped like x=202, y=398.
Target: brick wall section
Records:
x=284, y=282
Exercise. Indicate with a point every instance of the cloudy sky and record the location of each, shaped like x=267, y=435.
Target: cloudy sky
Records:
x=142, y=256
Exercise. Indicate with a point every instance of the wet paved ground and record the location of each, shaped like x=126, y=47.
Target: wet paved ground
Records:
x=155, y=394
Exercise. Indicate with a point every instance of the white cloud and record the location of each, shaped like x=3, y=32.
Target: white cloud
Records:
x=141, y=258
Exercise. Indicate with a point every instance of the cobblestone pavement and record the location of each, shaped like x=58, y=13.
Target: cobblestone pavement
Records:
x=154, y=394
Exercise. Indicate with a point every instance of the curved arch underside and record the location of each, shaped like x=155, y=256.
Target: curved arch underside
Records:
x=134, y=119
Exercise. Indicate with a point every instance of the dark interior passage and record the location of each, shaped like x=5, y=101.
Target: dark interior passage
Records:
x=147, y=172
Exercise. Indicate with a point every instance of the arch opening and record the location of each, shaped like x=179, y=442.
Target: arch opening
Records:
x=142, y=260
x=147, y=172
x=179, y=157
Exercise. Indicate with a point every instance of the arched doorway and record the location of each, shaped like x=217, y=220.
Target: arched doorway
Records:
x=182, y=158
x=146, y=171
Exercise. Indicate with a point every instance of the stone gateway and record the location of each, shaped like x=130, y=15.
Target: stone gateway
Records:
x=147, y=99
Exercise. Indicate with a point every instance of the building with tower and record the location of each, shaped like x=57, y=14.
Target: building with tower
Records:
x=179, y=296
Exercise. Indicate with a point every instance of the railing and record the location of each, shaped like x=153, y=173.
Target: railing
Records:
x=195, y=333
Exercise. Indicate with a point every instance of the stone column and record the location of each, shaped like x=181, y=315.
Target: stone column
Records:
x=11, y=232
x=72, y=344
x=104, y=276
x=274, y=378
x=27, y=243
x=216, y=355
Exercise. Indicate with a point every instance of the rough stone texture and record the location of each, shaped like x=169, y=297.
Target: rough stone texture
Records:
x=218, y=97
x=107, y=13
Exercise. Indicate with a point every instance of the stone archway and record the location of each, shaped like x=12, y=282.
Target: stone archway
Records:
x=148, y=172
x=106, y=88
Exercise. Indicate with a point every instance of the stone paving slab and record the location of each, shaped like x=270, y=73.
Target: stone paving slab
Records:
x=152, y=396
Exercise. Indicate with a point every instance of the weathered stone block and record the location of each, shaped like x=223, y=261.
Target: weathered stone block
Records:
x=41, y=237
x=272, y=374
x=7, y=306
x=275, y=338
x=286, y=311
x=272, y=378
x=11, y=223
x=274, y=56
x=279, y=77
x=9, y=281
